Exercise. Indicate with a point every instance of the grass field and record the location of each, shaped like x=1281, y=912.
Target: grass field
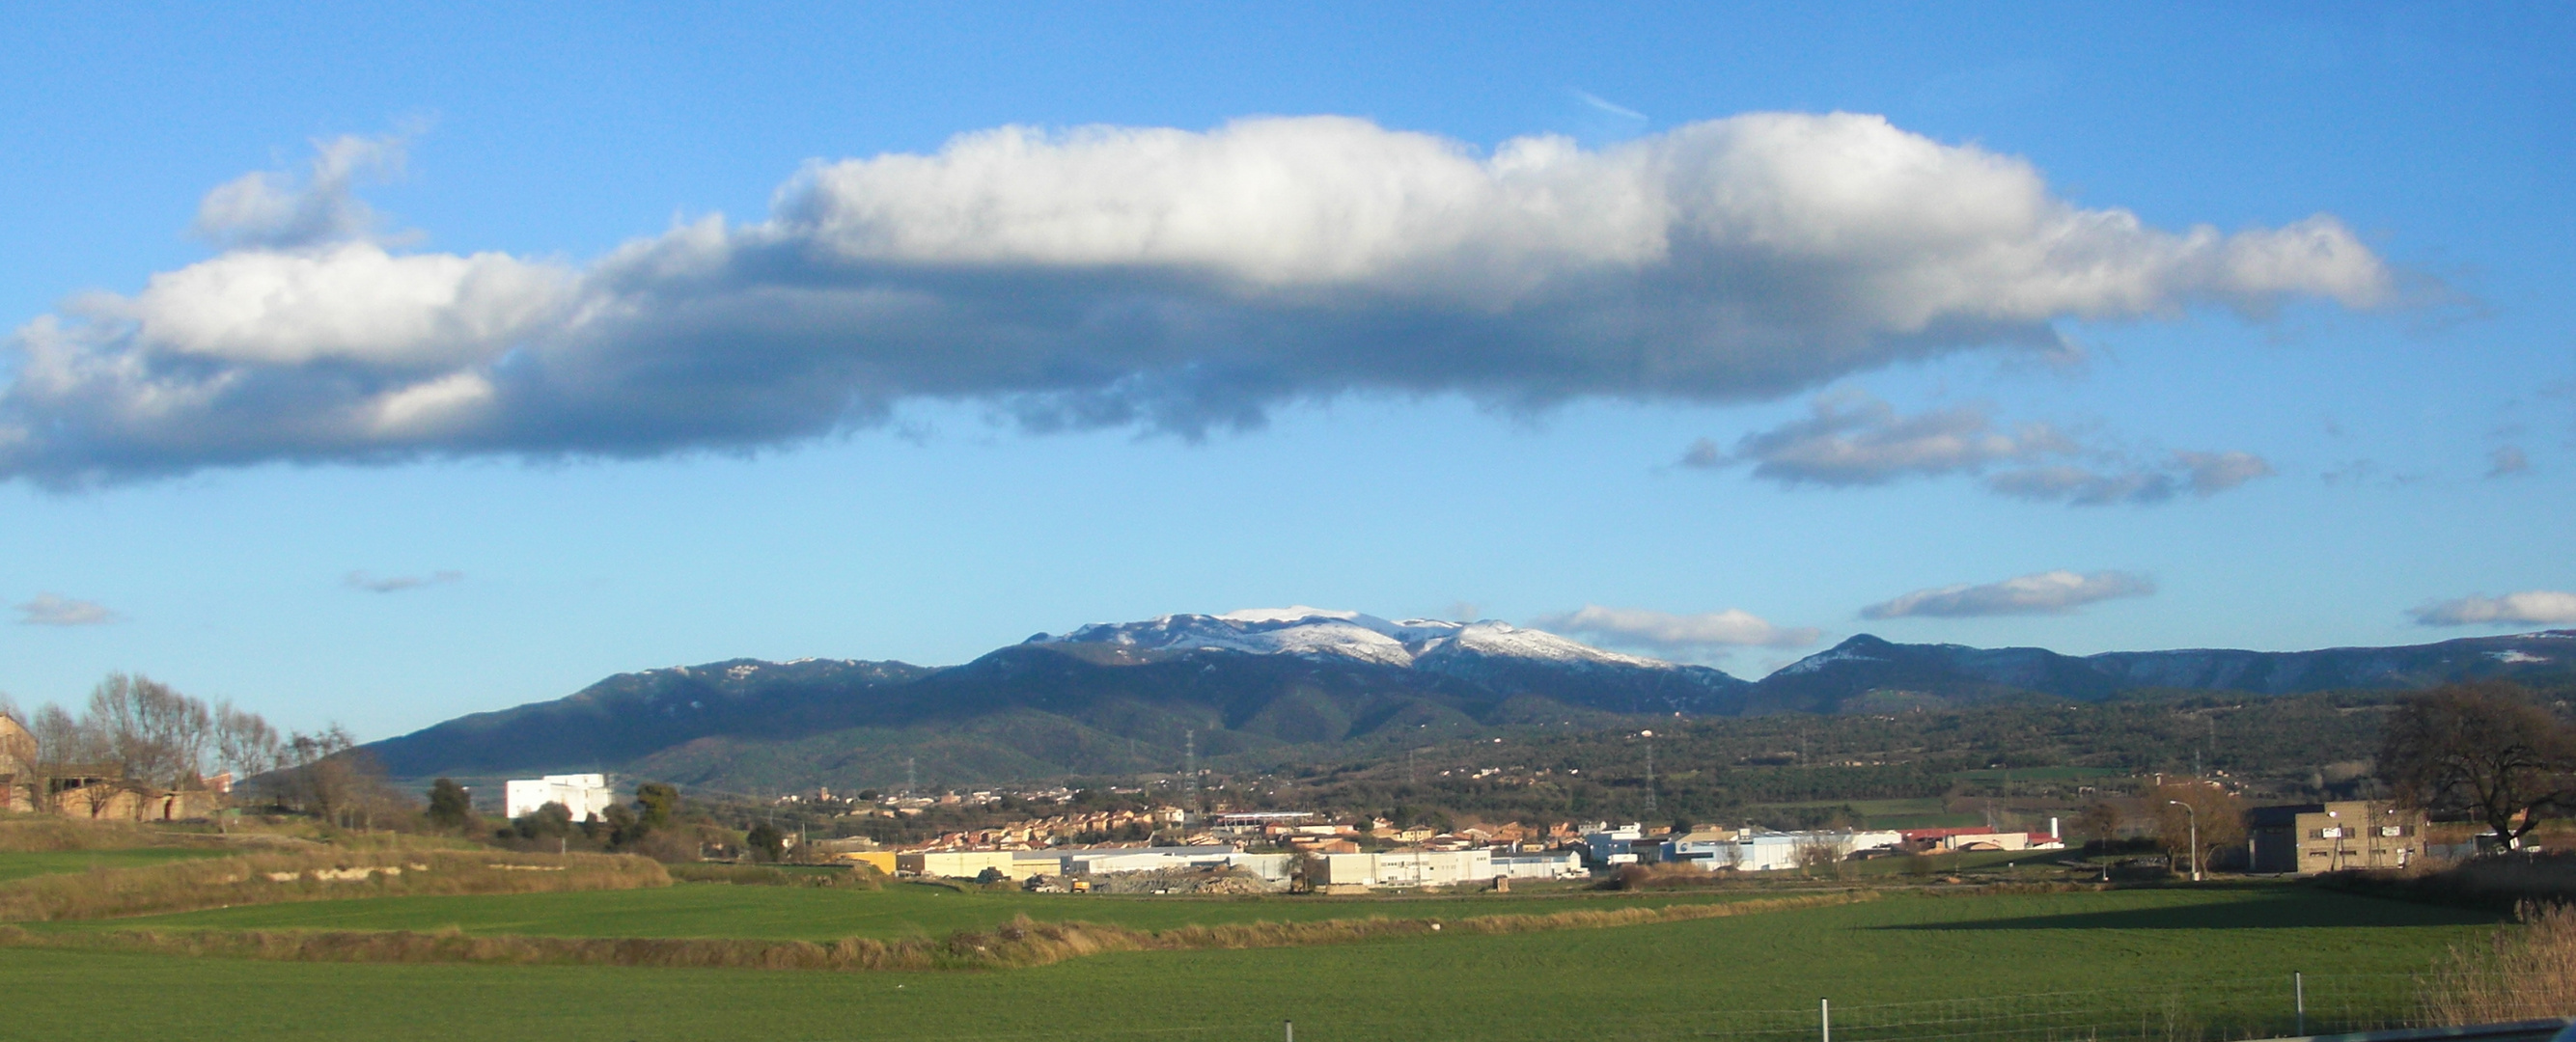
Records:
x=799, y=913
x=2131, y=964
x=21, y=864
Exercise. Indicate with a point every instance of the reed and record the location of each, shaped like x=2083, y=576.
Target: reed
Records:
x=2523, y=972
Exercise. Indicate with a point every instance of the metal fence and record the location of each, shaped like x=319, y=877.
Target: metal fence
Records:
x=2226, y=1010
x=2150, y=1011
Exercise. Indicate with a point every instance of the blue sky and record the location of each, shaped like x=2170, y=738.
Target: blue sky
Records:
x=681, y=337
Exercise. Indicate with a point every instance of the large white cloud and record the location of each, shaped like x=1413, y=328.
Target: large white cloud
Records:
x=1702, y=633
x=2040, y=593
x=2528, y=608
x=1111, y=275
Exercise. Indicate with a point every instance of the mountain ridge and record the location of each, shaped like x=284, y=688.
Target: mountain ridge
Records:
x=1110, y=698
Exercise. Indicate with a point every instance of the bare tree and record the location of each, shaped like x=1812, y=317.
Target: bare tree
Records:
x=244, y=743
x=2219, y=815
x=155, y=735
x=62, y=738
x=1814, y=851
x=2100, y=824
x=67, y=748
x=327, y=775
x=2483, y=749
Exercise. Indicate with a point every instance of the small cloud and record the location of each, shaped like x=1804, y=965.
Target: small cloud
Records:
x=2202, y=474
x=1466, y=611
x=2530, y=607
x=1855, y=440
x=2507, y=462
x=2083, y=486
x=393, y=583
x=2216, y=472
x=2365, y=472
x=49, y=609
x=2042, y=593
x=1601, y=104
x=270, y=210
x=1677, y=634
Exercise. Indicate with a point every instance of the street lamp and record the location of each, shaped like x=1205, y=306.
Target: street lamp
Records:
x=2195, y=836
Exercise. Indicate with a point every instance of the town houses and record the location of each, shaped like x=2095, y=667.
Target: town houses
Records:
x=1283, y=849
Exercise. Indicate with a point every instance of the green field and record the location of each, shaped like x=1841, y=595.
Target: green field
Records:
x=800, y=913
x=21, y=864
x=2113, y=965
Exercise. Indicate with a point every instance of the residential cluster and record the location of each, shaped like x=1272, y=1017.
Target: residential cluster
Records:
x=1298, y=848
x=1286, y=849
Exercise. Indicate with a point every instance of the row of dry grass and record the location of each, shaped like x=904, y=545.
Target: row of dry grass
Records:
x=321, y=875
x=1019, y=944
x=2523, y=972
x=47, y=834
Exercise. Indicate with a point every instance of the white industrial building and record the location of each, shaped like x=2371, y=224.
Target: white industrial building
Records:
x=1407, y=868
x=1773, y=851
x=585, y=795
x=1087, y=861
x=1539, y=864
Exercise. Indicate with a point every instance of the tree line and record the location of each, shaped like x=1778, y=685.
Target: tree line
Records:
x=135, y=734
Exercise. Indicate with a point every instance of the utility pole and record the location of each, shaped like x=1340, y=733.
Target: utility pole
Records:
x=1190, y=764
x=2336, y=862
x=1650, y=772
x=910, y=782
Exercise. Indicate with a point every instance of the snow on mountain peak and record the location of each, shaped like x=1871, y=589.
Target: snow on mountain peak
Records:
x=1302, y=630
x=1288, y=614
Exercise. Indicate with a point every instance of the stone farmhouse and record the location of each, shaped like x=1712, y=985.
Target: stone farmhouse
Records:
x=95, y=791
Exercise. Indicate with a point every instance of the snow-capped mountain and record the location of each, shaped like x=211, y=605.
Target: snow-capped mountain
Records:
x=1121, y=697
x=1301, y=630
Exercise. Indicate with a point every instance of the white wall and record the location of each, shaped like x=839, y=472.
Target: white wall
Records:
x=585, y=795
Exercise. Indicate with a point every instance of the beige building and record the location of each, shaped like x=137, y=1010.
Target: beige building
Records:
x=2308, y=838
x=955, y=864
x=17, y=765
x=98, y=792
